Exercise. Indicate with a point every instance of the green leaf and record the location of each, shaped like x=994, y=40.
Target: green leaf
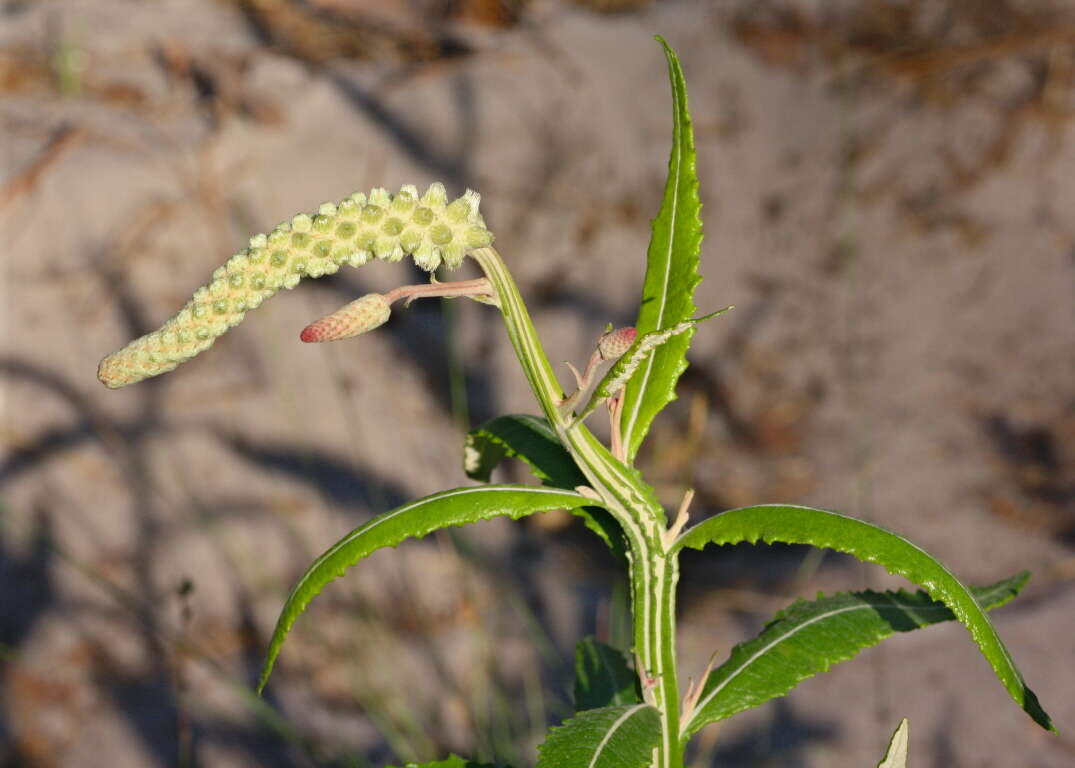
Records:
x=809, y=637
x=602, y=676
x=453, y=761
x=533, y=441
x=525, y=437
x=412, y=521
x=896, y=756
x=671, y=274
x=612, y=737
x=821, y=528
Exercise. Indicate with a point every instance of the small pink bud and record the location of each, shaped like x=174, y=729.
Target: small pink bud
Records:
x=359, y=316
x=614, y=343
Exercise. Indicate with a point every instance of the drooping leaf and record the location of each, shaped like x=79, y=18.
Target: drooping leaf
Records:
x=531, y=440
x=601, y=522
x=896, y=756
x=612, y=737
x=821, y=528
x=809, y=637
x=452, y=761
x=602, y=676
x=525, y=437
x=671, y=274
x=412, y=521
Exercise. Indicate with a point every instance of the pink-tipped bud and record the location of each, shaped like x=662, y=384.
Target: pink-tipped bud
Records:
x=616, y=342
x=359, y=316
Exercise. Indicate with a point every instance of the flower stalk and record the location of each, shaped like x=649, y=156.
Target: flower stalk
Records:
x=373, y=310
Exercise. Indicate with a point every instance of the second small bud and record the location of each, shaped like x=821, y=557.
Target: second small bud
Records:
x=360, y=316
x=615, y=343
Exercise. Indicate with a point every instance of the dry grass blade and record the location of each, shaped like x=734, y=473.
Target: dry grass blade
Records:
x=65, y=138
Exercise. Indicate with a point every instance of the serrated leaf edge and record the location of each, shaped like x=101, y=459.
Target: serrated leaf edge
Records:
x=616, y=725
x=539, y=425
x=288, y=617
x=683, y=159
x=612, y=729
x=1005, y=592
x=1023, y=695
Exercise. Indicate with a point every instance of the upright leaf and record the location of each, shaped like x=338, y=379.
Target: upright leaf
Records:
x=412, y=521
x=531, y=440
x=612, y=737
x=896, y=756
x=602, y=676
x=671, y=274
x=809, y=637
x=821, y=528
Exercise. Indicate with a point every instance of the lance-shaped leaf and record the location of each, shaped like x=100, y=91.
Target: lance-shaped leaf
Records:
x=821, y=528
x=531, y=440
x=612, y=737
x=602, y=676
x=412, y=521
x=671, y=274
x=896, y=756
x=808, y=637
x=452, y=761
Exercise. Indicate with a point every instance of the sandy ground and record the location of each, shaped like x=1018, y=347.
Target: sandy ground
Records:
x=896, y=231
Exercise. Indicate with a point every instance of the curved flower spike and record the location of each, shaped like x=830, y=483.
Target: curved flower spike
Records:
x=349, y=232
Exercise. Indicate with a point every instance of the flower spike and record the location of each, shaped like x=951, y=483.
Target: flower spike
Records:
x=352, y=231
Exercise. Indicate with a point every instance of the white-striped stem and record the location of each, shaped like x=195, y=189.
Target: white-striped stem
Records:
x=654, y=570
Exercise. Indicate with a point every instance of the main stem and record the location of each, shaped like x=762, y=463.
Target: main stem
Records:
x=654, y=570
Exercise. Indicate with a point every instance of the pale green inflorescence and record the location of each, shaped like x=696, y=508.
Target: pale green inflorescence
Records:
x=353, y=231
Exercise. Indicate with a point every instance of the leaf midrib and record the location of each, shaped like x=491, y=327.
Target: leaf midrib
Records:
x=791, y=633
x=342, y=543
x=612, y=729
x=636, y=405
x=685, y=540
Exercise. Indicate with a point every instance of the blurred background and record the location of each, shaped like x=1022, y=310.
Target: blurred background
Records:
x=890, y=204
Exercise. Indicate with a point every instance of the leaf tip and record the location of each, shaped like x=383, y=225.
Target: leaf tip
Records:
x=270, y=661
x=1033, y=707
